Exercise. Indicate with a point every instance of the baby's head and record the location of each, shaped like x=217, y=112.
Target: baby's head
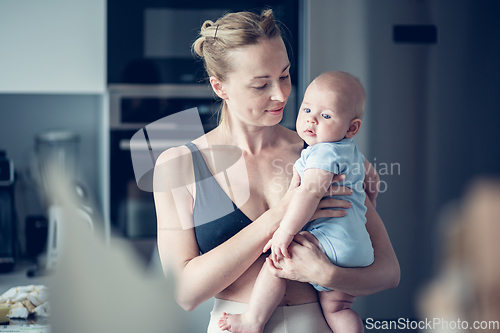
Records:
x=332, y=108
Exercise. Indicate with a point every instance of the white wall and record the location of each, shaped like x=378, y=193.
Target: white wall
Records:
x=334, y=36
x=52, y=76
x=53, y=46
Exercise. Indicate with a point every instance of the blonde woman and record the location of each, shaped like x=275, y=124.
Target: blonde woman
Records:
x=248, y=66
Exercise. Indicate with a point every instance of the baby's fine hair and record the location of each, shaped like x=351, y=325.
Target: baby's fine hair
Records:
x=232, y=31
x=349, y=85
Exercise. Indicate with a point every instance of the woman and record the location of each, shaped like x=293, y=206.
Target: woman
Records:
x=248, y=66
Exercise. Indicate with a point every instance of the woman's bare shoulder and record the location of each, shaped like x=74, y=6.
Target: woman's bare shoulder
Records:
x=177, y=165
x=173, y=154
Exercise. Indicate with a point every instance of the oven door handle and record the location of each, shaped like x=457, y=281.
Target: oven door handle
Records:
x=157, y=144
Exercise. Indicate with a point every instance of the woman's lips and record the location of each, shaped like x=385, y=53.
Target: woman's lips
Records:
x=276, y=111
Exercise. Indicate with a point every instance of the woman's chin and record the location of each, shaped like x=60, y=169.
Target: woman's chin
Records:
x=275, y=120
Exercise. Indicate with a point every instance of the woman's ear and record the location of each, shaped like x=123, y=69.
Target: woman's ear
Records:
x=354, y=127
x=218, y=87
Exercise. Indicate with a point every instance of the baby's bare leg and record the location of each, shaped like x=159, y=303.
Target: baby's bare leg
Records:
x=338, y=312
x=267, y=293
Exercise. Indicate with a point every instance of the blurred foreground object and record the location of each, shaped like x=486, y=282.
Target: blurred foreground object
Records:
x=100, y=287
x=467, y=287
x=57, y=156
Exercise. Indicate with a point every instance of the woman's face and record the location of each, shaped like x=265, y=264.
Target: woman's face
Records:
x=259, y=85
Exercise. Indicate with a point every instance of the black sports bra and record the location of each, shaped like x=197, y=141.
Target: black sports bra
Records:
x=216, y=217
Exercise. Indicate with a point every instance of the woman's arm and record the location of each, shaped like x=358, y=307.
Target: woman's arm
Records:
x=371, y=183
x=200, y=277
x=313, y=187
x=309, y=264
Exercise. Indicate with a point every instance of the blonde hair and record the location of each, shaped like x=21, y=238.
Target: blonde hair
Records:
x=217, y=39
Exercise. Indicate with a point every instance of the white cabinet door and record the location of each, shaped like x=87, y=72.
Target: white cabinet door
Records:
x=52, y=46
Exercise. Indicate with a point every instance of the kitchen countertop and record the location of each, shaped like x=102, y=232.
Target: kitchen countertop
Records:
x=18, y=277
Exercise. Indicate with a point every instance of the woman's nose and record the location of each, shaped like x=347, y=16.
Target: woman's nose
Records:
x=278, y=93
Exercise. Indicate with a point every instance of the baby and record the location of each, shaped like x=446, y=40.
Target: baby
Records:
x=329, y=117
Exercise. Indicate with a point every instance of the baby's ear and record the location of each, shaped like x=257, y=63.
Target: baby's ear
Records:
x=218, y=87
x=354, y=127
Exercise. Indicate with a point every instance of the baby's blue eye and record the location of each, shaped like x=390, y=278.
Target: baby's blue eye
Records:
x=307, y=110
x=326, y=116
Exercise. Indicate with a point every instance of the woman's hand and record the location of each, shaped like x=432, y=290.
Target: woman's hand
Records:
x=321, y=211
x=309, y=264
x=325, y=203
x=307, y=261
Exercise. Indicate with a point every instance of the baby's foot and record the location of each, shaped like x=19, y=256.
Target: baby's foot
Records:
x=238, y=323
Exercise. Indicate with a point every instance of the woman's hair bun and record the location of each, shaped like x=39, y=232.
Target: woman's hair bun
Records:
x=233, y=30
x=198, y=44
x=207, y=24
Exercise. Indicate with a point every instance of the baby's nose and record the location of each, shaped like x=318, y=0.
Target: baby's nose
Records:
x=311, y=119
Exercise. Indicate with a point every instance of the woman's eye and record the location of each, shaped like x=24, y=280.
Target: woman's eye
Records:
x=285, y=77
x=326, y=116
x=307, y=110
x=261, y=87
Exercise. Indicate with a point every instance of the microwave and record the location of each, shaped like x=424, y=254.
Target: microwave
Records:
x=149, y=41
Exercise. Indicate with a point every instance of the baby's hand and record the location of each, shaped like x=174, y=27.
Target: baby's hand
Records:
x=279, y=244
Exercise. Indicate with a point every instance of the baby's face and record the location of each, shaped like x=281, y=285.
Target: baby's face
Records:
x=322, y=117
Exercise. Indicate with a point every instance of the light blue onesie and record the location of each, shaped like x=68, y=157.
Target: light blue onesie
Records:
x=344, y=239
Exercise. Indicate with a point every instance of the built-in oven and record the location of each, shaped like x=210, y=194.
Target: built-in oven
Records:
x=133, y=108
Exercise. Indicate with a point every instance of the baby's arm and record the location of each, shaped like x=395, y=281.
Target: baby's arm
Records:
x=313, y=187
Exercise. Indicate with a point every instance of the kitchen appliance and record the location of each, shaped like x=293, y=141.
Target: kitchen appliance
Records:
x=152, y=74
x=57, y=156
x=149, y=41
x=36, y=227
x=133, y=107
x=7, y=214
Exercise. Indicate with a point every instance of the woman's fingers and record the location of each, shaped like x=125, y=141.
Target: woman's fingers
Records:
x=334, y=203
x=284, y=253
x=327, y=213
x=323, y=210
x=338, y=190
x=274, y=268
x=307, y=261
x=338, y=178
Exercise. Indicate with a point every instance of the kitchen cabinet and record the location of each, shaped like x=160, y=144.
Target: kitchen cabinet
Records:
x=53, y=46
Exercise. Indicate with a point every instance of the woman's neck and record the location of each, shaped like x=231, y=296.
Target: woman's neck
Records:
x=249, y=138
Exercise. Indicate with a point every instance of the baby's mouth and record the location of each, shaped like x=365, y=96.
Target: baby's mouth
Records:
x=309, y=132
